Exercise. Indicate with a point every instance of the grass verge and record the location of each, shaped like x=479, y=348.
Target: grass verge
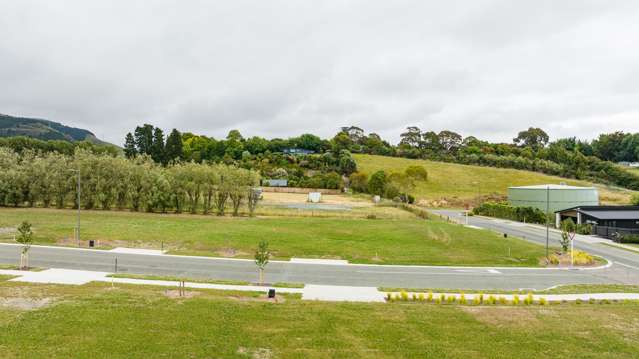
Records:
x=196, y=280
x=94, y=321
x=379, y=241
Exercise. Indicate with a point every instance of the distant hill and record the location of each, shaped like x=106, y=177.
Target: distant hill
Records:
x=43, y=130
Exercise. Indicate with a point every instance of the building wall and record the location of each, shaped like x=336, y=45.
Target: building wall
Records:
x=560, y=199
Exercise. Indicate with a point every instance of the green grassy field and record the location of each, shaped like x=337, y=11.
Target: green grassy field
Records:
x=384, y=241
x=458, y=182
x=97, y=321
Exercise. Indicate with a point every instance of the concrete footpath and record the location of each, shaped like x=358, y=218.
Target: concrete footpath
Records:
x=309, y=292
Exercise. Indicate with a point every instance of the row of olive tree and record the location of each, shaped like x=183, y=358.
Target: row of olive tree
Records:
x=50, y=179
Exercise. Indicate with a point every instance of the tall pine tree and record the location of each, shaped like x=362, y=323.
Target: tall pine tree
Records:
x=129, y=146
x=173, y=148
x=144, y=139
x=157, y=146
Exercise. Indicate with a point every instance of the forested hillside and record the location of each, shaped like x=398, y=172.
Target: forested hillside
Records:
x=43, y=129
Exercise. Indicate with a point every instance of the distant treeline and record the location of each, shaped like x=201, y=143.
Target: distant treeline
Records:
x=531, y=150
x=315, y=167
x=30, y=178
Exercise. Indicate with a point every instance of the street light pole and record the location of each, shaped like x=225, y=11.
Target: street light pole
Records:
x=79, y=192
x=547, y=222
x=77, y=229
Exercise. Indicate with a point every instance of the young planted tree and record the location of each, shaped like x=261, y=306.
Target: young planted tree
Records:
x=262, y=256
x=25, y=237
x=252, y=198
x=224, y=185
x=568, y=229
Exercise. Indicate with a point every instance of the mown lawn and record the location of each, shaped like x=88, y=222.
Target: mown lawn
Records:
x=384, y=241
x=96, y=321
x=455, y=181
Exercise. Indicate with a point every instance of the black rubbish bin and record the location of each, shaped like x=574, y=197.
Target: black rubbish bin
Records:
x=271, y=293
x=91, y=243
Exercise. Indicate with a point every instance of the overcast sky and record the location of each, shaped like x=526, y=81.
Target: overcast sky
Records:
x=282, y=68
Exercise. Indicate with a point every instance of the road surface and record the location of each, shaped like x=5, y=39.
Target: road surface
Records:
x=624, y=270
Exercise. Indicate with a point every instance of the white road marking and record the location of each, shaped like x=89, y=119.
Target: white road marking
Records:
x=627, y=265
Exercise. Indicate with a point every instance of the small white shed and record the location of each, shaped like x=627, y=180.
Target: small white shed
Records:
x=314, y=197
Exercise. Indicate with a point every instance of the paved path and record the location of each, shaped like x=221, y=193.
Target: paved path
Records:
x=309, y=292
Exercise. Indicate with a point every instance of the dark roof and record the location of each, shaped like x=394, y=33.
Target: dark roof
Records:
x=607, y=212
x=614, y=215
x=600, y=209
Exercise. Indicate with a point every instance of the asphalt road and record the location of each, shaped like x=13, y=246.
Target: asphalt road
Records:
x=625, y=268
x=625, y=264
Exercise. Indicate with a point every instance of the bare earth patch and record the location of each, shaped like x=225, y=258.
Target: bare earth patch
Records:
x=261, y=298
x=259, y=353
x=230, y=252
x=7, y=230
x=25, y=303
x=503, y=316
x=175, y=294
x=289, y=198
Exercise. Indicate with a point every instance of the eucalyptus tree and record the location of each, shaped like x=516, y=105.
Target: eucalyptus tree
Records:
x=223, y=189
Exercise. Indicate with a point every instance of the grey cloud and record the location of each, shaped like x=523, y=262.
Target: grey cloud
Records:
x=281, y=68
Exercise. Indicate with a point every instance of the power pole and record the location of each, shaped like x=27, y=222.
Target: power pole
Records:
x=77, y=230
x=547, y=222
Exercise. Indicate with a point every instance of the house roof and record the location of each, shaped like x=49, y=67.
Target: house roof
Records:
x=606, y=212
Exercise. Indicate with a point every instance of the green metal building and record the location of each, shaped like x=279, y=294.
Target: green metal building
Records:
x=559, y=197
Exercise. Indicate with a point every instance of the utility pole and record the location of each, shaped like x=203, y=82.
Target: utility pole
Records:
x=77, y=230
x=547, y=222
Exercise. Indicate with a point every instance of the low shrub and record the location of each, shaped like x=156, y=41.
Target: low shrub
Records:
x=414, y=297
x=582, y=258
x=542, y=301
x=479, y=298
x=503, y=300
x=553, y=259
x=420, y=297
x=438, y=301
x=389, y=297
x=529, y=299
x=578, y=301
x=442, y=297
x=515, y=299
x=404, y=295
x=371, y=216
x=430, y=296
x=419, y=212
x=506, y=211
x=628, y=238
x=462, y=299
x=591, y=300
x=451, y=299
x=492, y=299
x=584, y=228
